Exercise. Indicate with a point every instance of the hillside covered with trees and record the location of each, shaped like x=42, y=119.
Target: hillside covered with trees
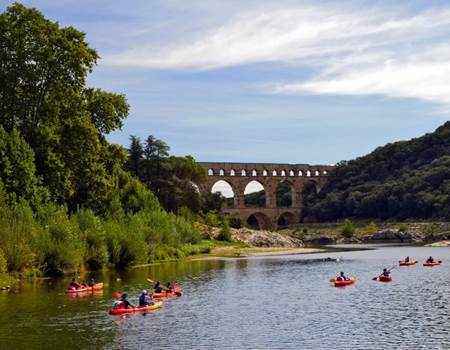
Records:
x=399, y=181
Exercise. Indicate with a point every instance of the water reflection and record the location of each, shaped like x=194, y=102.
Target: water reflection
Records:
x=257, y=303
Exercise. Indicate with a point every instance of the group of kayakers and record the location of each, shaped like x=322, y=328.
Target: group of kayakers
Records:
x=75, y=285
x=145, y=298
x=386, y=274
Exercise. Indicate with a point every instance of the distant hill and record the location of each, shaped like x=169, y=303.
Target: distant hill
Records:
x=401, y=180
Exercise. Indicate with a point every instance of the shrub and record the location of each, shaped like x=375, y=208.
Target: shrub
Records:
x=403, y=228
x=347, y=229
x=225, y=232
x=371, y=228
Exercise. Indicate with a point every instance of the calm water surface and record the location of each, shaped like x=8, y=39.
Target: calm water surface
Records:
x=257, y=303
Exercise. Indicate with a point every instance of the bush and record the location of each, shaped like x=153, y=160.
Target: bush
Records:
x=225, y=232
x=211, y=219
x=402, y=228
x=371, y=228
x=235, y=221
x=347, y=229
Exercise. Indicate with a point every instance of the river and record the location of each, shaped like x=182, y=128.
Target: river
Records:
x=283, y=302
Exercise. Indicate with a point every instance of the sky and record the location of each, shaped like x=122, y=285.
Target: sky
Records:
x=278, y=81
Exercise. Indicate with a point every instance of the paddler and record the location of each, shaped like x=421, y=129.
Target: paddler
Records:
x=73, y=284
x=158, y=288
x=386, y=273
x=342, y=277
x=145, y=299
x=430, y=260
x=407, y=259
x=125, y=303
x=91, y=282
x=169, y=287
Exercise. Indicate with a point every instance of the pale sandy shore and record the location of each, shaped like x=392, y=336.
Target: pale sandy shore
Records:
x=439, y=244
x=230, y=252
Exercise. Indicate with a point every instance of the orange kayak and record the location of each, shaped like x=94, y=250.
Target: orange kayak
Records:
x=155, y=306
x=385, y=278
x=436, y=263
x=177, y=292
x=407, y=263
x=96, y=287
x=344, y=283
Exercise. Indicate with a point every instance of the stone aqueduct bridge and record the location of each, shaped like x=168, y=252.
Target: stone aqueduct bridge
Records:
x=239, y=175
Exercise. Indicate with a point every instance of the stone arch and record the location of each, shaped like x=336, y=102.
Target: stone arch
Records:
x=259, y=221
x=291, y=172
x=286, y=219
x=254, y=173
x=265, y=172
x=255, y=194
x=226, y=190
x=308, y=173
x=284, y=194
x=232, y=172
x=210, y=172
x=283, y=173
x=243, y=172
x=300, y=173
x=324, y=172
x=317, y=173
x=274, y=173
x=221, y=172
x=311, y=185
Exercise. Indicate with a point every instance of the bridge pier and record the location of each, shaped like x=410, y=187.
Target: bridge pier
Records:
x=270, y=176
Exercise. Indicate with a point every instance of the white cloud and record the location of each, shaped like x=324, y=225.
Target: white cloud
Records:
x=352, y=51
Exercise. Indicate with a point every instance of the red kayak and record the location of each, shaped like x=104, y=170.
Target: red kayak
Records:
x=344, y=283
x=177, y=292
x=155, y=306
x=385, y=278
x=407, y=263
x=435, y=263
x=96, y=287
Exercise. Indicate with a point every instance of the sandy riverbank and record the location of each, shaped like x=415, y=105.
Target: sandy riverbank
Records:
x=224, y=252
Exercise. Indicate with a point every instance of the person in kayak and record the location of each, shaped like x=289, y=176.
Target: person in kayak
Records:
x=145, y=299
x=406, y=259
x=169, y=287
x=73, y=284
x=430, y=260
x=125, y=303
x=158, y=288
x=342, y=277
x=386, y=273
x=91, y=282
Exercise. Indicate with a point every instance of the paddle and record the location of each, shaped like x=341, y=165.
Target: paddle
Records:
x=389, y=270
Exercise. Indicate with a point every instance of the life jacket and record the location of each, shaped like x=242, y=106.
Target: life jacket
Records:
x=339, y=278
x=118, y=304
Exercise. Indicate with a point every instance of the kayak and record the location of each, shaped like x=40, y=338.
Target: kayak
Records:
x=177, y=292
x=155, y=306
x=344, y=282
x=385, y=278
x=436, y=263
x=407, y=263
x=96, y=287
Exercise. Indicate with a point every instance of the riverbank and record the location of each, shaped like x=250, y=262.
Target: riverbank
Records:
x=236, y=251
x=320, y=234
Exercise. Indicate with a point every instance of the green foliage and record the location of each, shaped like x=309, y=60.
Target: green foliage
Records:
x=403, y=228
x=347, y=230
x=171, y=178
x=211, y=219
x=402, y=180
x=225, y=231
x=66, y=201
x=371, y=228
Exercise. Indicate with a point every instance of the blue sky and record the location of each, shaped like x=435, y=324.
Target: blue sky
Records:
x=269, y=81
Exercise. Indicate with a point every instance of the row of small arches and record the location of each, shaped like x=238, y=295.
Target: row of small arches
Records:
x=254, y=172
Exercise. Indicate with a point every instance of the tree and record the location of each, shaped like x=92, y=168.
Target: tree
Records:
x=135, y=154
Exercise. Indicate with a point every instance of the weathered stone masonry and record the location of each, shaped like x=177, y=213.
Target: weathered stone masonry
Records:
x=239, y=175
